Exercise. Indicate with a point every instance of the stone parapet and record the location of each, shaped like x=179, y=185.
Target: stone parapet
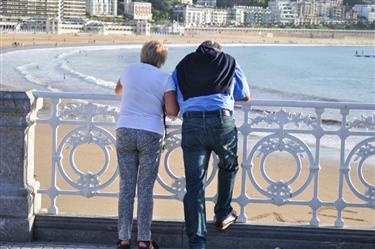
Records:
x=18, y=198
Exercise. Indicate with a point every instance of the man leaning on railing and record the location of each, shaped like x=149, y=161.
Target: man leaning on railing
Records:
x=208, y=82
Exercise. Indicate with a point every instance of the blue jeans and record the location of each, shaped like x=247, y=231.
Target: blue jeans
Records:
x=200, y=136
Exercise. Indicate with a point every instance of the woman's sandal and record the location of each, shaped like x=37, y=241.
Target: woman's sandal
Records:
x=119, y=246
x=149, y=245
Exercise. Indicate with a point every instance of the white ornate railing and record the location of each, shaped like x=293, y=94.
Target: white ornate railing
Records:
x=264, y=127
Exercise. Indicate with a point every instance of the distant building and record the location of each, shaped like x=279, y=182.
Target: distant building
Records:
x=191, y=16
x=208, y=3
x=128, y=28
x=28, y=8
x=102, y=7
x=250, y=15
x=138, y=10
x=189, y=2
x=43, y=8
x=366, y=11
x=173, y=28
x=200, y=16
x=283, y=11
x=320, y=11
x=217, y=17
x=72, y=9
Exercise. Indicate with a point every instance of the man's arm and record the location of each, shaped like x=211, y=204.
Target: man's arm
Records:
x=118, y=88
x=241, y=86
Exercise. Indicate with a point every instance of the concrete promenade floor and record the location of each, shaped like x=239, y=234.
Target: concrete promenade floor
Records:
x=50, y=245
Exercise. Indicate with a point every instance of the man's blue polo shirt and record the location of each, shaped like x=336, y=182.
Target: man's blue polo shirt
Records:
x=238, y=90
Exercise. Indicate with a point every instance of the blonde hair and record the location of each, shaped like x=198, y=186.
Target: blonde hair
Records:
x=154, y=53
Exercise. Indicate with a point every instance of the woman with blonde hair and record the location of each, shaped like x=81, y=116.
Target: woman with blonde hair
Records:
x=145, y=91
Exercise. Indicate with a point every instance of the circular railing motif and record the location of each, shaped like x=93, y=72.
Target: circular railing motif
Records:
x=87, y=182
x=280, y=191
x=361, y=153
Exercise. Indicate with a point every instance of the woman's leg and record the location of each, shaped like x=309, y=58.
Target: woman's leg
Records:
x=127, y=156
x=149, y=146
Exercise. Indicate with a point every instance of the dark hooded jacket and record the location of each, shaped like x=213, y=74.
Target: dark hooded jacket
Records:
x=204, y=72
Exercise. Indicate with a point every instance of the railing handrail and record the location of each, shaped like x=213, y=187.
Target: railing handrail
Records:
x=254, y=102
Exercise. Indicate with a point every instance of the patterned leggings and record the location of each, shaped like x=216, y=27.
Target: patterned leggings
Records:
x=138, y=155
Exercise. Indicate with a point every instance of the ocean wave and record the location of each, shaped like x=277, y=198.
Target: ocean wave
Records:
x=23, y=70
x=87, y=78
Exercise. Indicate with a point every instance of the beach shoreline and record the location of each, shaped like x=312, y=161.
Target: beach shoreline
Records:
x=41, y=40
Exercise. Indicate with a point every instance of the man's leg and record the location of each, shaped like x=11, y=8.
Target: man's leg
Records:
x=196, y=158
x=225, y=147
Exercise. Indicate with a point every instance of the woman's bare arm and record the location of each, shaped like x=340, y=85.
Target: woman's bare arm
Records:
x=171, y=105
x=118, y=88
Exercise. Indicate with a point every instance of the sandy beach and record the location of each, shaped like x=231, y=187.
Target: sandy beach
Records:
x=30, y=40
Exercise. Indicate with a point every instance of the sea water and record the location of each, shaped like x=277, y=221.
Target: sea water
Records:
x=298, y=72
x=274, y=72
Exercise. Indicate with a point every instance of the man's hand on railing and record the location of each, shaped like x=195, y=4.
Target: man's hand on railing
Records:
x=118, y=88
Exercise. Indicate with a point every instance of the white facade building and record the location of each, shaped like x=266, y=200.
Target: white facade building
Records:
x=102, y=7
x=240, y=15
x=138, y=10
x=320, y=11
x=283, y=11
x=217, y=17
x=366, y=11
x=173, y=28
x=43, y=8
x=200, y=16
x=72, y=8
x=30, y=8
x=208, y=3
x=189, y=2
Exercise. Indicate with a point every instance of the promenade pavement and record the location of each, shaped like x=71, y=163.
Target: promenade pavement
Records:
x=50, y=245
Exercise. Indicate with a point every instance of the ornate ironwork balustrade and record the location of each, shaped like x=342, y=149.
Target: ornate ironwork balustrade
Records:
x=297, y=128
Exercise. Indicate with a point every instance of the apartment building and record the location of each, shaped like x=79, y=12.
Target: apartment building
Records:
x=191, y=16
x=217, y=17
x=102, y=7
x=207, y=3
x=189, y=2
x=73, y=8
x=283, y=11
x=320, y=11
x=200, y=16
x=138, y=10
x=43, y=8
x=366, y=11
x=28, y=8
x=249, y=15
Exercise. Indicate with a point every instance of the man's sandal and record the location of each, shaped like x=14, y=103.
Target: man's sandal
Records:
x=149, y=245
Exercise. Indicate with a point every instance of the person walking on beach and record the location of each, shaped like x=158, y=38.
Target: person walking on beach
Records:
x=144, y=90
x=208, y=81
